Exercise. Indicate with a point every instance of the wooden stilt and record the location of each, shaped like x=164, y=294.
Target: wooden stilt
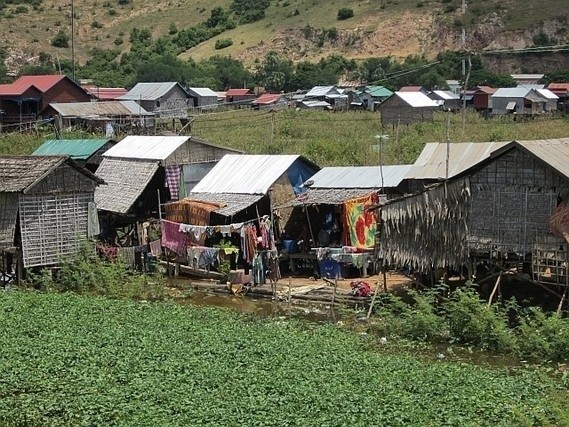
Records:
x=384, y=280
x=560, y=306
x=495, y=289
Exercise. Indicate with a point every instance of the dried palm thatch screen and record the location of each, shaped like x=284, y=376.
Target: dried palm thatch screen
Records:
x=428, y=229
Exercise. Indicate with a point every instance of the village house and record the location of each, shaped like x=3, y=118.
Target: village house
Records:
x=271, y=101
x=27, y=98
x=482, y=98
x=85, y=152
x=447, y=100
x=506, y=209
x=103, y=116
x=163, y=99
x=105, y=93
x=335, y=97
x=519, y=100
x=203, y=98
x=414, y=88
x=239, y=97
x=406, y=108
x=561, y=90
x=46, y=210
x=370, y=97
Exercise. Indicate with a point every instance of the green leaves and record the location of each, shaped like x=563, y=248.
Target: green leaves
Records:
x=73, y=360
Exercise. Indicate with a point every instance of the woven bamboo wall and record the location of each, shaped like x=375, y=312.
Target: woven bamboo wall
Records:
x=64, y=179
x=8, y=216
x=196, y=152
x=52, y=226
x=512, y=199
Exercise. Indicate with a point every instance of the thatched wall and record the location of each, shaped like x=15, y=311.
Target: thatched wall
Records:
x=8, y=216
x=428, y=229
x=512, y=200
x=52, y=225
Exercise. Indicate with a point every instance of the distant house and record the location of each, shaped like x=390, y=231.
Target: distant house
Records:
x=273, y=101
x=86, y=152
x=164, y=99
x=518, y=100
x=371, y=96
x=45, y=208
x=562, y=92
x=446, y=99
x=28, y=97
x=552, y=99
x=482, y=98
x=335, y=97
x=100, y=115
x=239, y=96
x=454, y=86
x=407, y=108
x=527, y=79
x=202, y=97
x=414, y=89
x=105, y=93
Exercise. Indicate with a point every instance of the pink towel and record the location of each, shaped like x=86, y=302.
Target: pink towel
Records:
x=172, y=238
x=173, y=181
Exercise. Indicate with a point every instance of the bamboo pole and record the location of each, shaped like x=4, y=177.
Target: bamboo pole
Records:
x=495, y=289
x=560, y=306
x=289, y=294
x=335, y=289
x=373, y=300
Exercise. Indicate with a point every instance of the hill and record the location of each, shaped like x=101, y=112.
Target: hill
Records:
x=300, y=29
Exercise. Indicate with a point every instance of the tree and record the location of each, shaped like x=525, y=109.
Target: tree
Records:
x=486, y=78
x=345, y=13
x=61, y=39
x=275, y=72
x=558, y=76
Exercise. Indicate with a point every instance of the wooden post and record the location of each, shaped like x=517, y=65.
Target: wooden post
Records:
x=334, y=294
x=384, y=279
x=309, y=225
x=495, y=289
x=560, y=306
x=289, y=294
x=373, y=300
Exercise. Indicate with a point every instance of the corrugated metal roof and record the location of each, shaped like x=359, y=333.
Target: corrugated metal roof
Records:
x=17, y=173
x=237, y=92
x=431, y=163
x=554, y=152
x=416, y=99
x=445, y=94
x=77, y=149
x=511, y=92
x=379, y=92
x=202, y=91
x=327, y=196
x=547, y=94
x=234, y=203
x=126, y=180
x=486, y=89
x=317, y=91
x=100, y=109
x=269, y=98
x=561, y=87
x=43, y=83
x=106, y=93
x=146, y=147
x=149, y=91
x=316, y=104
x=411, y=89
x=245, y=174
x=359, y=176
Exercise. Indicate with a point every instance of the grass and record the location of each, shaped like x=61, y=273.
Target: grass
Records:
x=336, y=138
x=72, y=360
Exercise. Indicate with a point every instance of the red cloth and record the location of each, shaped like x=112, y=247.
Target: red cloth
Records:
x=360, y=288
x=172, y=238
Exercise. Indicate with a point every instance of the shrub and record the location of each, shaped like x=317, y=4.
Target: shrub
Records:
x=96, y=24
x=60, y=40
x=345, y=13
x=223, y=43
x=542, y=336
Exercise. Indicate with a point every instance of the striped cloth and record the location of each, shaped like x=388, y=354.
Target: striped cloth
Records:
x=173, y=180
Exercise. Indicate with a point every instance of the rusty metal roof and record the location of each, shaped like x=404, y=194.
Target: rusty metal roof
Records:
x=100, y=109
x=431, y=163
x=554, y=152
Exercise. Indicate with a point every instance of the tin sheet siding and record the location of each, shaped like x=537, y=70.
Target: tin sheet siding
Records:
x=52, y=226
x=8, y=216
x=512, y=199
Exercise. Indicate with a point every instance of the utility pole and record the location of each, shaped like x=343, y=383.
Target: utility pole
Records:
x=72, y=40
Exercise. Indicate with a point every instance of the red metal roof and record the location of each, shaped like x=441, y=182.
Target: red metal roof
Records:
x=42, y=83
x=556, y=88
x=268, y=98
x=105, y=93
x=411, y=89
x=485, y=89
x=237, y=92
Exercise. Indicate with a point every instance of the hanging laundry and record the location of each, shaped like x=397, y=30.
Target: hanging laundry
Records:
x=156, y=248
x=172, y=238
x=209, y=258
x=172, y=180
x=93, y=228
